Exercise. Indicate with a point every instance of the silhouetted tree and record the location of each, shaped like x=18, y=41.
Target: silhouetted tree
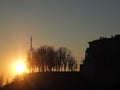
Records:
x=61, y=57
x=46, y=58
x=72, y=64
x=31, y=60
x=64, y=53
x=56, y=67
x=50, y=58
x=41, y=57
x=64, y=58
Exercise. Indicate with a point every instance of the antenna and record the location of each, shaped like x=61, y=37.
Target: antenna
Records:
x=31, y=43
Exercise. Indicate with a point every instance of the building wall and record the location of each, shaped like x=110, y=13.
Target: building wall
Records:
x=102, y=60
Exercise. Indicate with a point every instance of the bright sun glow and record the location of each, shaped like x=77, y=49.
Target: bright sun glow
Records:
x=20, y=67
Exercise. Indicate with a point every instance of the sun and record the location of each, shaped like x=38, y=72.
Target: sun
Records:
x=20, y=67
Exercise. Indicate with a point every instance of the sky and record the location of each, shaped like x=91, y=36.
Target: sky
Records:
x=67, y=23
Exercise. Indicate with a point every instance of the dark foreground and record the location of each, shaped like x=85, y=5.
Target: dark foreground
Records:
x=56, y=81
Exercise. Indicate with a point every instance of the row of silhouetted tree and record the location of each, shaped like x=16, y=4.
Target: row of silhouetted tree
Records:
x=46, y=58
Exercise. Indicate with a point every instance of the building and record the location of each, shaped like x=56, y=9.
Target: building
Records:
x=102, y=60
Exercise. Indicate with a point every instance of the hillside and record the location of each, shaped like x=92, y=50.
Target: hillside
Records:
x=47, y=81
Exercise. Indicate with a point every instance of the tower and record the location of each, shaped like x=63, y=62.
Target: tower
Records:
x=31, y=43
x=31, y=56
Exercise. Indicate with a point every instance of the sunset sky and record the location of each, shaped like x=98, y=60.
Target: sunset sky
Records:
x=68, y=23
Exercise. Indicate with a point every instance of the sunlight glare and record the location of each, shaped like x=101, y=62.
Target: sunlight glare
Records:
x=20, y=67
